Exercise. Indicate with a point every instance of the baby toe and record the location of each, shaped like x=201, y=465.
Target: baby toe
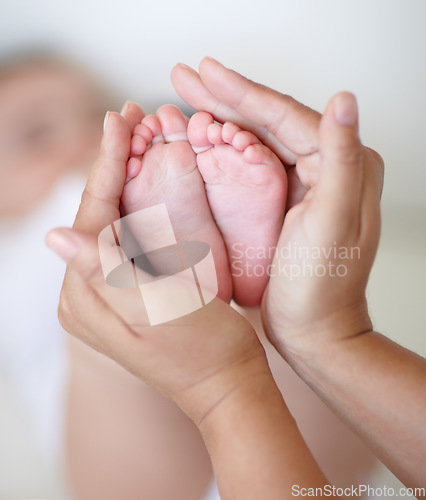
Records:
x=144, y=132
x=154, y=125
x=133, y=168
x=173, y=123
x=214, y=133
x=197, y=131
x=243, y=140
x=138, y=146
x=262, y=155
x=229, y=130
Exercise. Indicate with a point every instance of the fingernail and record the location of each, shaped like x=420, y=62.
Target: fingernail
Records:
x=208, y=58
x=183, y=66
x=346, y=109
x=62, y=244
x=106, y=120
x=124, y=108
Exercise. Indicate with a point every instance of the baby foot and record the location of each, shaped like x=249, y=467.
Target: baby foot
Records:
x=163, y=169
x=246, y=186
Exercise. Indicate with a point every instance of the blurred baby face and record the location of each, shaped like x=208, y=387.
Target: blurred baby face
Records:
x=50, y=123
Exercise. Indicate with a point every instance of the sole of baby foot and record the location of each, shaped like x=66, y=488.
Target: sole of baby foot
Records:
x=246, y=186
x=164, y=170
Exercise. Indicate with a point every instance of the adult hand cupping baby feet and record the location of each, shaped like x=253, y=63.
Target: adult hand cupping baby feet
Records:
x=328, y=242
x=334, y=186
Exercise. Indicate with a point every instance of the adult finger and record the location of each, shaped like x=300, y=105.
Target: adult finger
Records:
x=281, y=122
x=339, y=187
x=377, y=169
x=86, y=281
x=100, y=200
x=191, y=89
x=291, y=122
x=188, y=85
x=371, y=194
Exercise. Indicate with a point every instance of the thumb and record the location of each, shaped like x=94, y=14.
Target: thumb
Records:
x=101, y=198
x=99, y=261
x=340, y=181
x=80, y=251
x=96, y=313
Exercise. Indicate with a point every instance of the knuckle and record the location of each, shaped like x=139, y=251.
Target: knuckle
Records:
x=94, y=272
x=350, y=153
x=375, y=155
x=64, y=310
x=377, y=167
x=377, y=159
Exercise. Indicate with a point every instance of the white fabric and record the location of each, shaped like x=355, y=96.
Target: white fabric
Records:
x=213, y=493
x=32, y=342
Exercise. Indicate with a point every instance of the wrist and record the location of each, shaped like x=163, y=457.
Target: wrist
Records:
x=249, y=385
x=202, y=400
x=302, y=342
x=252, y=438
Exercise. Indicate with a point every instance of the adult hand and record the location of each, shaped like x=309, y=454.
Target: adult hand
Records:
x=321, y=326
x=293, y=131
x=190, y=359
x=210, y=363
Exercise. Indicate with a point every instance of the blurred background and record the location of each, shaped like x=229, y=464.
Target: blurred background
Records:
x=304, y=48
